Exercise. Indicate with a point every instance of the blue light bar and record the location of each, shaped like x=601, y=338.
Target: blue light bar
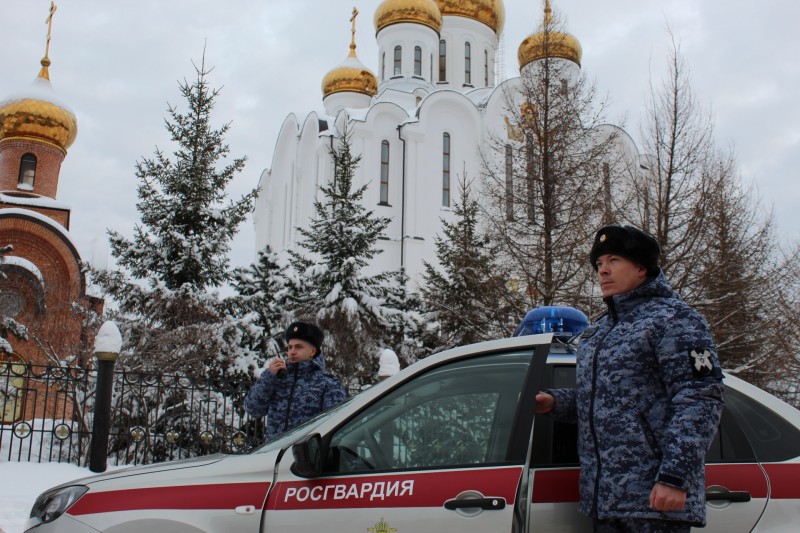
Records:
x=560, y=320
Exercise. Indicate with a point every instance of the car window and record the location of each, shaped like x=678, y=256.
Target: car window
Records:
x=772, y=437
x=730, y=444
x=457, y=414
x=555, y=443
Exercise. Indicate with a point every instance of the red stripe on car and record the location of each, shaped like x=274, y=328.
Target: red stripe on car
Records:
x=784, y=480
x=745, y=477
x=185, y=497
x=428, y=489
x=555, y=485
x=560, y=485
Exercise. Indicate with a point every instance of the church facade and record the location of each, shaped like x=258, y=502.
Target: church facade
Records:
x=422, y=124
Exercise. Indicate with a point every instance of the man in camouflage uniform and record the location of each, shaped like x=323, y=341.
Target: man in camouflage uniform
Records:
x=291, y=393
x=648, y=398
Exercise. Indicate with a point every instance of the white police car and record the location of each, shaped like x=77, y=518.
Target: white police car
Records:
x=450, y=444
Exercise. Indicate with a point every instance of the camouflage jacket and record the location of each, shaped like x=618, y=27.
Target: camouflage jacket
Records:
x=302, y=393
x=648, y=402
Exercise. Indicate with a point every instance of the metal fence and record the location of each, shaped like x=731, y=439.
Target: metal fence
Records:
x=47, y=415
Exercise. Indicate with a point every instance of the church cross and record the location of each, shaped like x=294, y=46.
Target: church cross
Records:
x=49, y=22
x=353, y=30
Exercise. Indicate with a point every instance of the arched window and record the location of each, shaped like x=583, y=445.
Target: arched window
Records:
x=417, y=61
x=398, y=54
x=467, y=64
x=27, y=172
x=509, y=183
x=383, y=65
x=486, y=68
x=384, y=173
x=446, y=170
x=442, y=60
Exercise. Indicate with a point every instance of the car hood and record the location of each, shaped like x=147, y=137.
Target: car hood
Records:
x=194, y=462
x=198, y=470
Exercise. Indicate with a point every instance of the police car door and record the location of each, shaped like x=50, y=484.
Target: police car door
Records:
x=736, y=487
x=443, y=451
x=554, y=468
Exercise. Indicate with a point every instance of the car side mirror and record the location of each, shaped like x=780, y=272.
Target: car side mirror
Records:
x=308, y=456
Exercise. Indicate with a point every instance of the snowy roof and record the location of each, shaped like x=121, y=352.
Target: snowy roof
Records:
x=38, y=201
x=42, y=218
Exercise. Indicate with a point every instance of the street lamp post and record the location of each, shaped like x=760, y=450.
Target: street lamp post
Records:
x=106, y=349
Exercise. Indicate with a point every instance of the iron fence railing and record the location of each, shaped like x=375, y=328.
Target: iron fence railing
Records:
x=47, y=415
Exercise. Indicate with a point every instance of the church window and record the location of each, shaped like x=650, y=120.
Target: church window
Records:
x=442, y=60
x=417, y=61
x=486, y=68
x=446, y=170
x=27, y=172
x=383, y=65
x=398, y=54
x=384, y=173
x=11, y=304
x=467, y=64
x=509, y=183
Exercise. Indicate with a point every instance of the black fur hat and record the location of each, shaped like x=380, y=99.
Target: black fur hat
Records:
x=629, y=242
x=305, y=331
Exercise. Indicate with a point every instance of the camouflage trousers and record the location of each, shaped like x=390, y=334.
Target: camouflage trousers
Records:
x=639, y=525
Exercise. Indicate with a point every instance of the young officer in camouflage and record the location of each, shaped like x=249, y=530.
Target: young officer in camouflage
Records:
x=648, y=398
x=291, y=393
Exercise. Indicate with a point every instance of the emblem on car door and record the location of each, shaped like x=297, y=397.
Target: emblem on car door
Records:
x=381, y=527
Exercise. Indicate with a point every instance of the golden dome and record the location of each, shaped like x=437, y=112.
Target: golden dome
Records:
x=490, y=12
x=423, y=12
x=560, y=45
x=37, y=115
x=350, y=76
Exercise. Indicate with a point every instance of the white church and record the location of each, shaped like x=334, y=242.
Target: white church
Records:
x=419, y=124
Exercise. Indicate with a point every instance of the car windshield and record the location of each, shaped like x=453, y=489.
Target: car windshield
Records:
x=294, y=434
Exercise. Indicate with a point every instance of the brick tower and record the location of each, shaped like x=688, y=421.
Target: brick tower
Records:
x=42, y=283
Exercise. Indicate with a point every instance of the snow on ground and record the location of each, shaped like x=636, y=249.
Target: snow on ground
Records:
x=22, y=482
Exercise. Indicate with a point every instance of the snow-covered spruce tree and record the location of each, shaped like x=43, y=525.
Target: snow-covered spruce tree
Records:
x=409, y=333
x=168, y=271
x=467, y=294
x=258, y=316
x=333, y=289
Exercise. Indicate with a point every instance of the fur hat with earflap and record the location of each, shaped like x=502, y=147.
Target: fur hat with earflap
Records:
x=307, y=332
x=628, y=242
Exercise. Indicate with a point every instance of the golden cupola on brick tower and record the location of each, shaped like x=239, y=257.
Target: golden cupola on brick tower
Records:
x=35, y=132
x=42, y=279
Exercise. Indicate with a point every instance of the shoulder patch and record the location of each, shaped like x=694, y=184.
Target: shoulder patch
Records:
x=700, y=361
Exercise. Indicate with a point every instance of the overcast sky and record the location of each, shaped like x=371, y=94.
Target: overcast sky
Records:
x=117, y=65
